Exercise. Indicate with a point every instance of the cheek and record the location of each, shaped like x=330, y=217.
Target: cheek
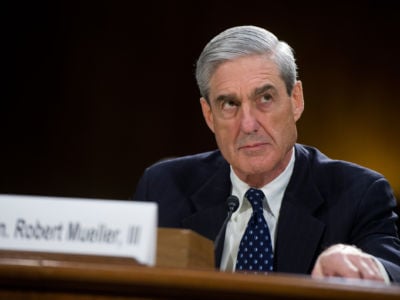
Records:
x=225, y=133
x=288, y=132
x=281, y=125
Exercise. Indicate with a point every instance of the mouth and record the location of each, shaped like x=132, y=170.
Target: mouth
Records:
x=253, y=146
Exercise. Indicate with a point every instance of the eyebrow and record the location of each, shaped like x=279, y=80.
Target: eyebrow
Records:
x=254, y=94
x=227, y=97
x=262, y=90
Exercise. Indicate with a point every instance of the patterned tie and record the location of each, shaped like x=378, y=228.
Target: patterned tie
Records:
x=255, y=249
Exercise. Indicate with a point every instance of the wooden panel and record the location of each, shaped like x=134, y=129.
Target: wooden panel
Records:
x=181, y=248
x=105, y=281
x=177, y=248
x=58, y=276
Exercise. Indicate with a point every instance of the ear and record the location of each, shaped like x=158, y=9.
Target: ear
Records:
x=207, y=114
x=297, y=100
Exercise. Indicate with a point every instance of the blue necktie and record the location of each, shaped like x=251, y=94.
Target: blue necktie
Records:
x=255, y=249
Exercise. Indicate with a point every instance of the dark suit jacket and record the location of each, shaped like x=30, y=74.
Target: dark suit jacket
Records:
x=326, y=202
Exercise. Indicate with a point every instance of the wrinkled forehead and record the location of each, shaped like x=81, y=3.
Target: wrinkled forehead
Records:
x=247, y=71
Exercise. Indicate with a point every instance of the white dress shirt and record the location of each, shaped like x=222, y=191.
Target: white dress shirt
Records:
x=236, y=227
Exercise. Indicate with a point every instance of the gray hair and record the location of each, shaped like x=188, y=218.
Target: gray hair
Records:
x=241, y=41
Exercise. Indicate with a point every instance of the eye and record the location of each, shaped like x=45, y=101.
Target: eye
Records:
x=266, y=98
x=229, y=104
x=228, y=108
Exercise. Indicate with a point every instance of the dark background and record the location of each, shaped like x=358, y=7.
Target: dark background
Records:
x=95, y=91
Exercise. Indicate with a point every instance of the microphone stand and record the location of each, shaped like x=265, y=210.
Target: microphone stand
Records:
x=233, y=203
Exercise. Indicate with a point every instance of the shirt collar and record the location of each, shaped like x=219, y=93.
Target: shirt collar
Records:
x=273, y=191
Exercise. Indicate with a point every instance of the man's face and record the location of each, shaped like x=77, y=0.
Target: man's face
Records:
x=253, y=118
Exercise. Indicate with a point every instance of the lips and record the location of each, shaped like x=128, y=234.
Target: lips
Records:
x=253, y=146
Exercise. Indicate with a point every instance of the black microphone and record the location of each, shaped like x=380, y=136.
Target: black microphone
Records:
x=232, y=202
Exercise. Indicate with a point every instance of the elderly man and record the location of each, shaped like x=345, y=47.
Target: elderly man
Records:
x=298, y=211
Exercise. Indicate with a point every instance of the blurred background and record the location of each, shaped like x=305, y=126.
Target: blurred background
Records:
x=96, y=91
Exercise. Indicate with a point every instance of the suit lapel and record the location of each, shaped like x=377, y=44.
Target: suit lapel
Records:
x=299, y=232
x=210, y=207
x=298, y=237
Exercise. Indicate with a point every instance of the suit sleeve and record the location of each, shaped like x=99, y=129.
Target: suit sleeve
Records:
x=375, y=230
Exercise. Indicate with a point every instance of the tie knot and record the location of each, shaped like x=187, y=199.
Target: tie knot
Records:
x=255, y=198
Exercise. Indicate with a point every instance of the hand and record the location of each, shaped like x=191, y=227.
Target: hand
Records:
x=346, y=261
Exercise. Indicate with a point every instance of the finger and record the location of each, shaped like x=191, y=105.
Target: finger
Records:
x=317, y=271
x=345, y=268
x=367, y=267
x=334, y=264
x=346, y=261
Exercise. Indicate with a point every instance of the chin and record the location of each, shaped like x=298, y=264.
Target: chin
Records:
x=255, y=168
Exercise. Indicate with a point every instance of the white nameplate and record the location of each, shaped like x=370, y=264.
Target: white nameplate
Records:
x=79, y=226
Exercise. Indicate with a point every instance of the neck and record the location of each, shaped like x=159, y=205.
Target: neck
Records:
x=262, y=179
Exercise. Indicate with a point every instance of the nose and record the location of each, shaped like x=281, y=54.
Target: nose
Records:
x=248, y=122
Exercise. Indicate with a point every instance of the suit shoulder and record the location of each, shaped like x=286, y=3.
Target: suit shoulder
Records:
x=319, y=163
x=184, y=174
x=191, y=168
x=336, y=181
x=209, y=159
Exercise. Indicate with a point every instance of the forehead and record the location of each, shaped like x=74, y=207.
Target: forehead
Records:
x=245, y=74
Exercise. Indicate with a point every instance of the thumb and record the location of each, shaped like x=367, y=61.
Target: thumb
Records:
x=317, y=271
